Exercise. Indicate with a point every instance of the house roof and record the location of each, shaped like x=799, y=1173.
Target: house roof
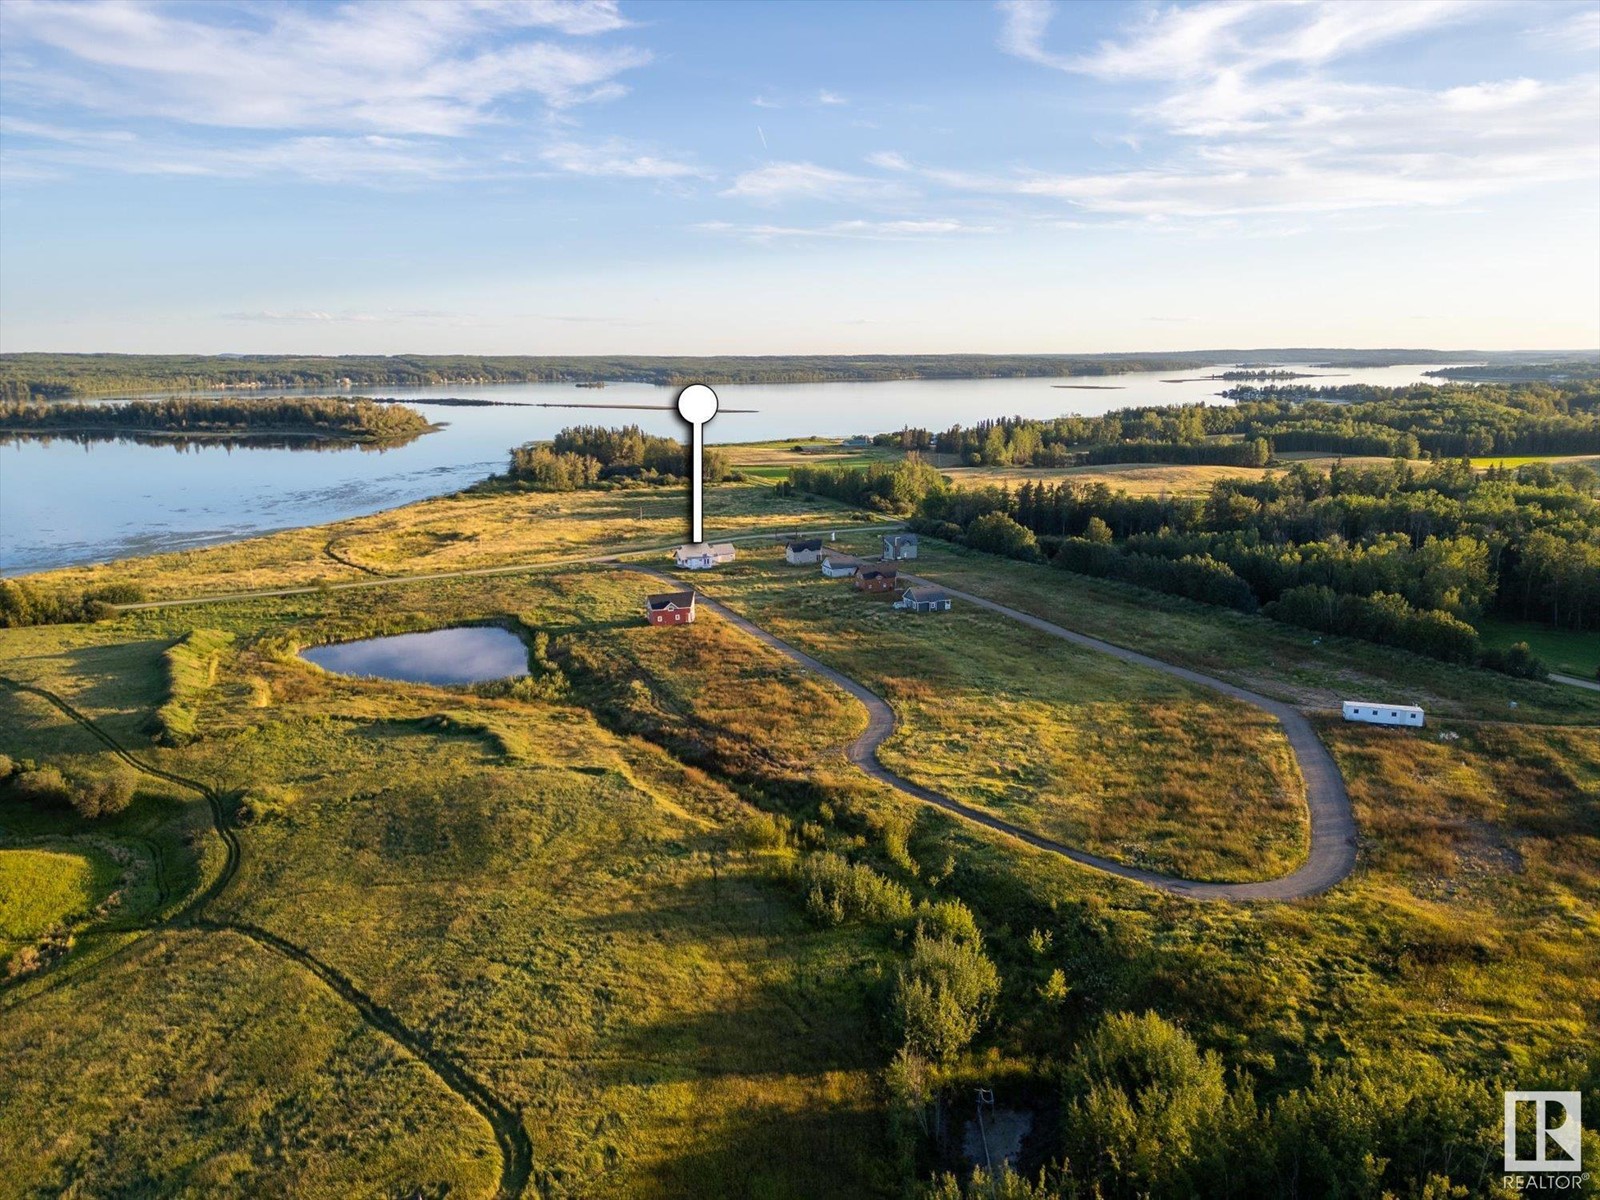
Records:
x=804, y=544
x=924, y=595
x=696, y=549
x=838, y=556
x=900, y=537
x=880, y=573
x=663, y=600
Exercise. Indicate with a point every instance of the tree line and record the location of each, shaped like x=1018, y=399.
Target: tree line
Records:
x=1395, y=553
x=357, y=419
x=587, y=456
x=1424, y=421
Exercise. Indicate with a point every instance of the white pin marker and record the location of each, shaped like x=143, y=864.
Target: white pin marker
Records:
x=697, y=404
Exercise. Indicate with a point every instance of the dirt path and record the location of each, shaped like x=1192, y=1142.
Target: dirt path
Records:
x=516, y=1148
x=1574, y=681
x=1333, y=830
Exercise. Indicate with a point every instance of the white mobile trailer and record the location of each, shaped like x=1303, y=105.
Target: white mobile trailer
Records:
x=1383, y=714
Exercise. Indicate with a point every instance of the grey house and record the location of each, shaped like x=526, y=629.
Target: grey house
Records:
x=897, y=546
x=923, y=599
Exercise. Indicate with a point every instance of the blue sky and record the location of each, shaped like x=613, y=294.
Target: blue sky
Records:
x=554, y=177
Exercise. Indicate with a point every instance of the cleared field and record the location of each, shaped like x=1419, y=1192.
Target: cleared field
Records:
x=40, y=889
x=1115, y=759
x=1523, y=460
x=583, y=889
x=459, y=532
x=1566, y=651
x=1277, y=660
x=1137, y=479
x=560, y=908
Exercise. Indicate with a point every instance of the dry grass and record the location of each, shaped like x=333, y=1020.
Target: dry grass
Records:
x=1121, y=761
x=454, y=533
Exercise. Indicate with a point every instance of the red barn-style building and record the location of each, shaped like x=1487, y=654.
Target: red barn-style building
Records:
x=877, y=579
x=670, y=608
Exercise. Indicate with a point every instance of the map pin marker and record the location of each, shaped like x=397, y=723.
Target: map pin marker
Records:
x=697, y=404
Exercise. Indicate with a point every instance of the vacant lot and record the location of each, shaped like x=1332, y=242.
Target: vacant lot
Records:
x=1115, y=759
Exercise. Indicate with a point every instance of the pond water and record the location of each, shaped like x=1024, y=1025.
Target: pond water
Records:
x=64, y=502
x=468, y=654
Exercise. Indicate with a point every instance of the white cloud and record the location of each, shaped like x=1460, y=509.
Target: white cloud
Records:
x=889, y=160
x=827, y=97
x=1188, y=41
x=803, y=180
x=1578, y=33
x=897, y=230
x=617, y=158
x=1256, y=121
x=407, y=67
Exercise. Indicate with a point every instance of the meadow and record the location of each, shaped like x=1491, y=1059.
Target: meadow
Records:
x=1121, y=761
x=555, y=935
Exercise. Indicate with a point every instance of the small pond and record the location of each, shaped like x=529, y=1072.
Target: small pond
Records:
x=469, y=654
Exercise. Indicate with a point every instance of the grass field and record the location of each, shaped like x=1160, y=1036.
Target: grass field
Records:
x=581, y=891
x=1568, y=652
x=1523, y=460
x=1118, y=760
x=43, y=889
x=459, y=532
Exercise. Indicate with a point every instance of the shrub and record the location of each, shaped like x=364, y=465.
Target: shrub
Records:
x=996, y=533
x=104, y=794
x=1518, y=659
x=838, y=891
x=944, y=994
x=43, y=785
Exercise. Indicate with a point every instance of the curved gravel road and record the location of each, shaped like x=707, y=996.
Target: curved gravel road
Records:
x=1333, y=827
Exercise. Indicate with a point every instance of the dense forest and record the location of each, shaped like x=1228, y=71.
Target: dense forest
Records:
x=50, y=376
x=1424, y=421
x=317, y=416
x=591, y=456
x=1394, y=553
x=1400, y=553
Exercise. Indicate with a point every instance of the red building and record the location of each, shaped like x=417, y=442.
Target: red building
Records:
x=670, y=608
x=877, y=579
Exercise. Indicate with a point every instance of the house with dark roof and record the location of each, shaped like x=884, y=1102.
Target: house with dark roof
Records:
x=798, y=553
x=670, y=608
x=923, y=599
x=897, y=546
x=877, y=579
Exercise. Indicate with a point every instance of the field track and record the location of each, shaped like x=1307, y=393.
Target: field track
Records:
x=516, y=1148
x=1333, y=828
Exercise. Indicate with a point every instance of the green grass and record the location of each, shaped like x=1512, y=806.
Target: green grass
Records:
x=1315, y=671
x=560, y=893
x=41, y=889
x=1116, y=759
x=1566, y=651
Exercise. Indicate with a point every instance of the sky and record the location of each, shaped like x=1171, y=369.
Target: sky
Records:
x=559, y=177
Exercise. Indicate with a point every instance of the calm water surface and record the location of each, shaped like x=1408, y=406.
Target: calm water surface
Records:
x=63, y=503
x=469, y=654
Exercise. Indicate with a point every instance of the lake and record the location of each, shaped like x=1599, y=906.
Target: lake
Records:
x=62, y=502
x=467, y=654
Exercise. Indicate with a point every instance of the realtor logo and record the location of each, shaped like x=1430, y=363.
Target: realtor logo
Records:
x=1557, y=1129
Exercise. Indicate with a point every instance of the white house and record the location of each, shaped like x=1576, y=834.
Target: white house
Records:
x=1382, y=714
x=698, y=556
x=839, y=566
x=802, y=552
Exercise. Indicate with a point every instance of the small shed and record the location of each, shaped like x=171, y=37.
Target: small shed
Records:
x=800, y=553
x=897, y=546
x=1383, y=714
x=877, y=579
x=839, y=566
x=670, y=608
x=923, y=599
x=698, y=556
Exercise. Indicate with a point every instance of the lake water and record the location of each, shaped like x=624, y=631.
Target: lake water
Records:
x=63, y=502
x=468, y=654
